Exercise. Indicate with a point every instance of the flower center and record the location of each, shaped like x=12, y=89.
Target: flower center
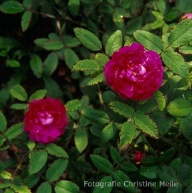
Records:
x=45, y=118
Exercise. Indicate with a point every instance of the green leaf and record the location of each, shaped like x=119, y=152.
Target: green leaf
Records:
x=104, y=188
x=74, y=6
x=19, y=92
x=19, y=106
x=181, y=34
x=3, y=122
x=121, y=109
x=179, y=107
x=44, y=187
x=81, y=139
x=37, y=160
x=186, y=49
x=146, y=125
x=149, y=172
x=127, y=134
x=36, y=65
x=11, y=7
x=6, y=175
x=50, y=63
x=176, y=63
x=128, y=167
x=12, y=63
x=186, y=126
x=101, y=59
x=39, y=94
x=115, y=155
x=56, y=150
x=123, y=179
x=27, y=3
x=114, y=43
x=66, y=186
x=8, y=190
x=96, y=116
x=108, y=132
x=20, y=189
x=31, y=180
x=26, y=20
x=71, y=57
x=149, y=40
x=99, y=78
x=56, y=169
x=72, y=105
x=14, y=131
x=5, y=185
x=102, y=164
x=160, y=100
x=87, y=64
x=88, y=39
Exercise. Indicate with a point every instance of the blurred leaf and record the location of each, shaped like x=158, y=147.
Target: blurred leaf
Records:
x=39, y=94
x=149, y=172
x=179, y=107
x=96, y=116
x=102, y=164
x=71, y=57
x=50, y=64
x=105, y=189
x=88, y=39
x=114, y=43
x=14, y=131
x=18, y=92
x=81, y=139
x=3, y=122
x=11, y=7
x=181, y=34
x=167, y=155
x=6, y=175
x=127, y=134
x=5, y=185
x=146, y=125
x=186, y=126
x=122, y=109
x=184, y=172
x=12, y=63
x=122, y=178
x=97, y=79
x=115, y=155
x=167, y=174
x=66, y=186
x=149, y=40
x=56, y=150
x=175, y=62
x=86, y=64
x=186, y=49
x=19, y=106
x=27, y=3
x=74, y=6
x=72, y=105
x=44, y=187
x=160, y=100
x=31, y=180
x=20, y=189
x=175, y=188
x=128, y=167
x=108, y=132
x=56, y=169
x=36, y=65
x=26, y=20
x=118, y=19
x=37, y=160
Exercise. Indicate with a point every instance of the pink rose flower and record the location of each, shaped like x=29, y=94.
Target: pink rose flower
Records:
x=138, y=156
x=134, y=73
x=45, y=120
x=187, y=16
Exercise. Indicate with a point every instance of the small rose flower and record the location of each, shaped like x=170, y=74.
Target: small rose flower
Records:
x=45, y=120
x=134, y=73
x=138, y=156
x=187, y=16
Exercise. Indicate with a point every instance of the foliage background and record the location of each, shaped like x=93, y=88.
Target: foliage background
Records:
x=58, y=49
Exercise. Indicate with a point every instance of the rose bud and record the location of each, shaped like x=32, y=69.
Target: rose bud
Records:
x=187, y=16
x=138, y=156
x=45, y=120
x=134, y=72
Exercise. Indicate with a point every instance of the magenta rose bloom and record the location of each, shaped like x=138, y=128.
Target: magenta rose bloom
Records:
x=187, y=16
x=134, y=72
x=45, y=120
